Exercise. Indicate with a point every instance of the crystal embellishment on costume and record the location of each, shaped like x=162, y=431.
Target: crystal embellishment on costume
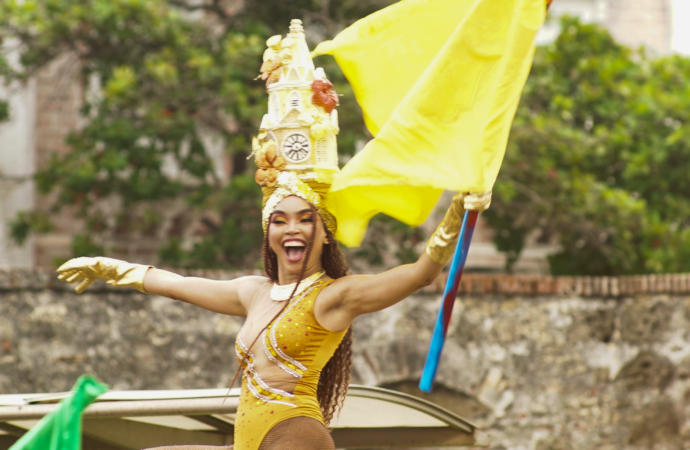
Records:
x=258, y=387
x=274, y=353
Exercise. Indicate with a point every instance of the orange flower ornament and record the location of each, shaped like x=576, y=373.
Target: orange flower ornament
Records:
x=324, y=95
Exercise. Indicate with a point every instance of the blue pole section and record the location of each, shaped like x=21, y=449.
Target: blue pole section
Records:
x=451, y=291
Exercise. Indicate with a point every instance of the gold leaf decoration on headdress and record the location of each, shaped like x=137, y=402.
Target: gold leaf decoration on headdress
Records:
x=319, y=124
x=269, y=162
x=278, y=54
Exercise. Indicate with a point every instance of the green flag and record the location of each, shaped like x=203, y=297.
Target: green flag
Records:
x=61, y=429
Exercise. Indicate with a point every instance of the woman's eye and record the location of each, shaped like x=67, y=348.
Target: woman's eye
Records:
x=278, y=221
x=307, y=219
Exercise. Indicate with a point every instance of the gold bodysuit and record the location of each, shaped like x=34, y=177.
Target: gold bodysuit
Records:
x=281, y=382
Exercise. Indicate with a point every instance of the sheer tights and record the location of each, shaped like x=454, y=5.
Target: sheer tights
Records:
x=298, y=433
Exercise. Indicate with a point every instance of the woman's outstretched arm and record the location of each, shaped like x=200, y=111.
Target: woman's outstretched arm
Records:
x=351, y=296
x=227, y=297
x=231, y=297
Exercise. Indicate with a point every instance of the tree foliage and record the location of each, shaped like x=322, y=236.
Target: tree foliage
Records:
x=598, y=158
x=161, y=77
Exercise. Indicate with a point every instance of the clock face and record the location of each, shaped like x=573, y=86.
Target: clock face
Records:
x=296, y=147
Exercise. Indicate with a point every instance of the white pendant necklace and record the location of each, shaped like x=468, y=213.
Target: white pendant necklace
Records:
x=281, y=293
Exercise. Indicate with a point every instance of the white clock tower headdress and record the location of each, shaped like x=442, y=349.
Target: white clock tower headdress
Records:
x=296, y=149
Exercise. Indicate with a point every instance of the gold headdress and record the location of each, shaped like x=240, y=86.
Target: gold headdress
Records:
x=296, y=148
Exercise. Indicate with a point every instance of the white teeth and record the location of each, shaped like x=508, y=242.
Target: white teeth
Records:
x=293, y=244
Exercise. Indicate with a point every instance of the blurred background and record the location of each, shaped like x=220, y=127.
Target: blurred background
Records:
x=125, y=130
x=126, y=126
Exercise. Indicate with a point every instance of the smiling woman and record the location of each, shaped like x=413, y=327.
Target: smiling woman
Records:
x=289, y=239
x=295, y=347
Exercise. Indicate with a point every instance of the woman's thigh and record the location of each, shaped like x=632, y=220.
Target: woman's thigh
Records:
x=298, y=433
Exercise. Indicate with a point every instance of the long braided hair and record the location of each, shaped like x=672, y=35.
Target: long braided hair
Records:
x=335, y=376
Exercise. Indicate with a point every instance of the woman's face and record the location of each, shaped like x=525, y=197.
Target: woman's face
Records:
x=289, y=231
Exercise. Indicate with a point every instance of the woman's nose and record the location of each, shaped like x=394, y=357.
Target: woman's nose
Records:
x=292, y=227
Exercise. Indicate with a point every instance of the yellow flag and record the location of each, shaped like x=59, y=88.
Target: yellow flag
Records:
x=439, y=82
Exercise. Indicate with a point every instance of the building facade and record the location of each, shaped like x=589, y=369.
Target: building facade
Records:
x=631, y=22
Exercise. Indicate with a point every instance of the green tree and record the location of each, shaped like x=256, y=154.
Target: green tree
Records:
x=598, y=158
x=158, y=73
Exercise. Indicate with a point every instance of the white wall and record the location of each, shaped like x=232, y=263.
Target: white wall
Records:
x=586, y=10
x=17, y=165
x=680, y=40
x=631, y=22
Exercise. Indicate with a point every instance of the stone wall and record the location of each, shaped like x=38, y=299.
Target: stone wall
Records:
x=540, y=362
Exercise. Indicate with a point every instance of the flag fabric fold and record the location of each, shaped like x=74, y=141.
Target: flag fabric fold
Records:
x=61, y=429
x=438, y=82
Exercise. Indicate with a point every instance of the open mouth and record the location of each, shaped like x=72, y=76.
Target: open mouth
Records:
x=294, y=249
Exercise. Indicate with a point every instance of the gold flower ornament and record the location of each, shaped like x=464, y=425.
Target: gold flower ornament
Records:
x=269, y=162
x=278, y=54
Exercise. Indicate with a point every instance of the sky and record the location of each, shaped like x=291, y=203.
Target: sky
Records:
x=680, y=40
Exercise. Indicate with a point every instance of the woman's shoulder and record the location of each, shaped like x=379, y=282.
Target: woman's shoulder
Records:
x=250, y=286
x=332, y=290
x=254, y=280
x=344, y=281
x=328, y=303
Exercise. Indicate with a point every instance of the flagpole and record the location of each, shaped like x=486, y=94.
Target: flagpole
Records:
x=457, y=266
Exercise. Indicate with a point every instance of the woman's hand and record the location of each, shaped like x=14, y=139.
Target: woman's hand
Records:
x=115, y=272
x=442, y=244
x=477, y=202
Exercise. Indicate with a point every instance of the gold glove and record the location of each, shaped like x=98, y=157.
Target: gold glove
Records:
x=113, y=271
x=442, y=243
x=441, y=246
x=477, y=202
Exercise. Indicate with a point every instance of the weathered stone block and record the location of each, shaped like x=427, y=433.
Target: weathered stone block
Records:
x=653, y=425
x=645, y=319
x=647, y=370
x=598, y=325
